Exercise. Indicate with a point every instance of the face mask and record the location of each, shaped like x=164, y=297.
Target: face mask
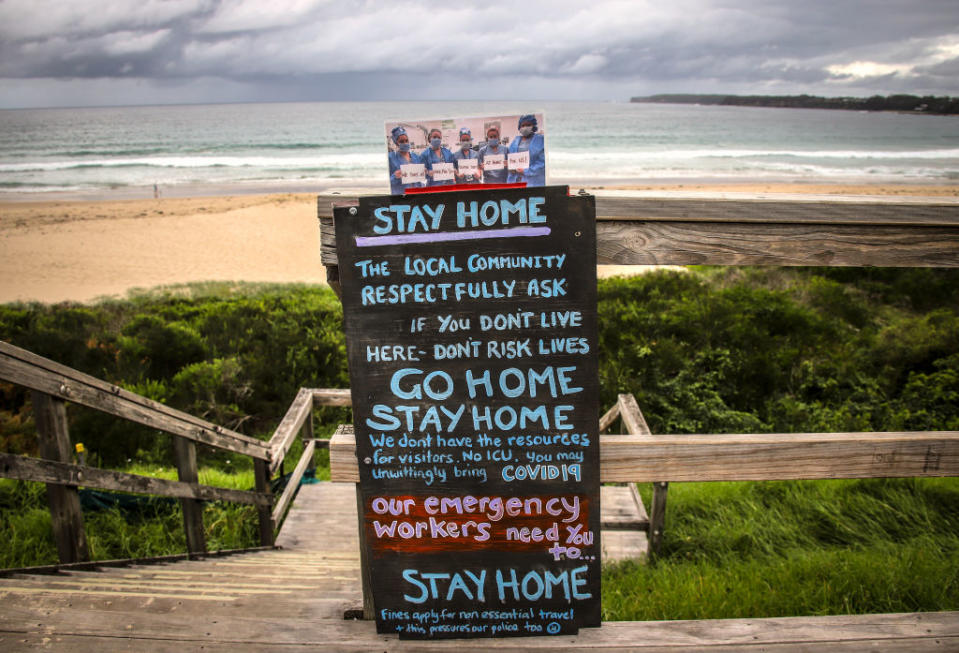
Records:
x=526, y=131
x=466, y=144
x=493, y=140
x=404, y=147
x=435, y=143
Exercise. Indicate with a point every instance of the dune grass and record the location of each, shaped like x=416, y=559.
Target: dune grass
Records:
x=794, y=548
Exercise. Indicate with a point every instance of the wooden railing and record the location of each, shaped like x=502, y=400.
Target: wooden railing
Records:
x=53, y=385
x=298, y=420
x=627, y=410
x=743, y=457
x=890, y=232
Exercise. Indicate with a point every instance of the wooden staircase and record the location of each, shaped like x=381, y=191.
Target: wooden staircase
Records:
x=295, y=598
x=247, y=598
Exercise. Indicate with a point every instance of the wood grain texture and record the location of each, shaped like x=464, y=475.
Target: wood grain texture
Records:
x=66, y=515
x=344, y=468
x=366, y=576
x=609, y=417
x=657, y=516
x=715, y=243
x=811, y=210
x=261, y=479
x=296, y=415
x=294, y=483
x=632, y=416
x=638, y=502
x=620, y=511
x=81, y=629
x=184, y=452
x=684, y=231
x=332, y=397
x=624, y=545
x=47, y=471
x=779, y=456
x=24, y=368
x=762, y=457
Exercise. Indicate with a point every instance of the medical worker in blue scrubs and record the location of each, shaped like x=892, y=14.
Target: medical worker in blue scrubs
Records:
x=398, y=157
x=493, y=146
x=436, y=153
x=465, y=151
x=535, y=144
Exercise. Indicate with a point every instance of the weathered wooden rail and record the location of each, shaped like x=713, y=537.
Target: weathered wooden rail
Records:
x=743, y=457
x=681, y=231
x=53, y=385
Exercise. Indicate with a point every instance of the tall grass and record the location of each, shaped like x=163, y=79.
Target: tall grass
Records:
x=793, y=548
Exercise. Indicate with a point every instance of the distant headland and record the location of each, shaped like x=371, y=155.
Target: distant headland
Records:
x=908, y=103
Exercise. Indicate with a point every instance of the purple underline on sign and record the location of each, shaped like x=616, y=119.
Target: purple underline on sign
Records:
x=512, y=232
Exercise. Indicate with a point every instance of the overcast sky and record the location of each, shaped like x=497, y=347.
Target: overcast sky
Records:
x=107, y=52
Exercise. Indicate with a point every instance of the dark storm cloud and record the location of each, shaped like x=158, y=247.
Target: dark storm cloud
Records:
x=610, y=45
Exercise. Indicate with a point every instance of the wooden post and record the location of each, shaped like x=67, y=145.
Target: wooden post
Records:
x=657, y=517
x=635, y=424
x=184, y=452
x=261, y=472
x=307, y=435
x=366, y=580
x=65, y=513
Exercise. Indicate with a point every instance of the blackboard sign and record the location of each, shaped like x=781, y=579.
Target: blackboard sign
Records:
x=470, y=321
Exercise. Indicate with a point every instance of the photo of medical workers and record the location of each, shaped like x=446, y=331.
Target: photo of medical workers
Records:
x=471, y=150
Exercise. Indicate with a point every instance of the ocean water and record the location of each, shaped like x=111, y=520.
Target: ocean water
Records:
x=308, y=147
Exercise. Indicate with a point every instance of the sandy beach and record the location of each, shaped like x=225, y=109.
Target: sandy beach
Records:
x=73, y=250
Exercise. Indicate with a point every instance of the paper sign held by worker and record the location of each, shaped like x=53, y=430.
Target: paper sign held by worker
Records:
x=518, y=160
x=494, y=162
x=468, y=166
x=413, y=173
x=443, y=171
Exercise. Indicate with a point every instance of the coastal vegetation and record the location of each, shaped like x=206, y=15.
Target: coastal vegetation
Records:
x=711, y=350
x=943, y=105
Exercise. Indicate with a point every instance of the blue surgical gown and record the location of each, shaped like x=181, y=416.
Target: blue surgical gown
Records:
x=429, y=158
x=396, y=185
x=536, y=173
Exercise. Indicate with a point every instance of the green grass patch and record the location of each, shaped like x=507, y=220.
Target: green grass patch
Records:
x=921, y=574
x=794, y=548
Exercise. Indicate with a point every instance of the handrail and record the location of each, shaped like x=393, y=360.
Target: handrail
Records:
x=755, y=231
x=743, y=457
x=289, y=426
x=25, y=368
x=54, y=384
x=294, y=483
x=25, y=468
